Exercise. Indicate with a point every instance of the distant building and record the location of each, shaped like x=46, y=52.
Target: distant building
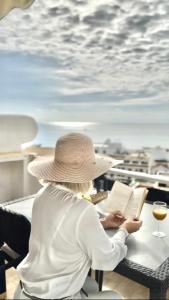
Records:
x=159, y=160
x=159, y=167
x=136, y=162
x=110, y=148
x=39, y=150
x=148, y=160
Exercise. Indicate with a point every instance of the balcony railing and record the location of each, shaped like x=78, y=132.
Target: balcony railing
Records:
x=140, y=175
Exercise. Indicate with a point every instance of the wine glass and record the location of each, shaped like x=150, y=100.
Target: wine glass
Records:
x=159, y=213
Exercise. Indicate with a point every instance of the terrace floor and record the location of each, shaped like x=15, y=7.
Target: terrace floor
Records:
x=127, y=288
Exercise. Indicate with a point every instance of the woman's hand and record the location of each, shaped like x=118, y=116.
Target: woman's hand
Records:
x=113, y=220
x=132, y=225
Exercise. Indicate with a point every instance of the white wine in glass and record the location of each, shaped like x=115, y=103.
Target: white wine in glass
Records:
x=159, y=213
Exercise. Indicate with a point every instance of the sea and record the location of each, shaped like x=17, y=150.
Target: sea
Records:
x=132, y=136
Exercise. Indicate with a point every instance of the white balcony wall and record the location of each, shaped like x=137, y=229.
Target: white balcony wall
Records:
x=16, y=130
x=30, y=183
x=15, y=181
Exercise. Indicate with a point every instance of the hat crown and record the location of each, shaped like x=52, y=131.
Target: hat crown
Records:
x=74, y=148
x=74, y=161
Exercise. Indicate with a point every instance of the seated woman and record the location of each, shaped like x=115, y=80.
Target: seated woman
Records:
x=67, y=238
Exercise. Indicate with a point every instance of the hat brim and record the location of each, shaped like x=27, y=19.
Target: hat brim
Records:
x=48, y=169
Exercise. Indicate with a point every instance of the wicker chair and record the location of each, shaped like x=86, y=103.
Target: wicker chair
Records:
x=14, y=238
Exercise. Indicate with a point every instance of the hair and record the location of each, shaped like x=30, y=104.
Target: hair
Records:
x=84, y=187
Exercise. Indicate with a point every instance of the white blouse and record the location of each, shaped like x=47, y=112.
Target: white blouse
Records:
x=66, y=239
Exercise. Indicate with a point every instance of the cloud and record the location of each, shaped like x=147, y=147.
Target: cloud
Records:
x=100, y=18
x=78, y=2
x=96, y=47
x=58, y=11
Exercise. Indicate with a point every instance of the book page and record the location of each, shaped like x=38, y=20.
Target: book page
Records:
x=135, y=203
x=119, y=197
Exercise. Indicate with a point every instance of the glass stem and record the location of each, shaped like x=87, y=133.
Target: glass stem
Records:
x=158, y=229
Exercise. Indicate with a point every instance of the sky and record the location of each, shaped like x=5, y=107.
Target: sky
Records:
x=86, y=61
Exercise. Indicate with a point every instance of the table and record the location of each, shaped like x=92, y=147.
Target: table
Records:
x=147, y=260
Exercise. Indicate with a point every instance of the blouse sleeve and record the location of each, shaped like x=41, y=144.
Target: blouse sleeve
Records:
x=104, y=252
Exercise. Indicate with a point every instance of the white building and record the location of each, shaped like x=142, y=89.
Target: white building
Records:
x=136, y=162
x=151, y=160
x=159, y=161
x=109, y=148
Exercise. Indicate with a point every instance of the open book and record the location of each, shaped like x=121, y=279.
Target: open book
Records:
x=124, y=198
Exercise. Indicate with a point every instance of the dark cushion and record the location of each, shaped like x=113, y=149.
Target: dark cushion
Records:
x=157, y=195
x=14, y=231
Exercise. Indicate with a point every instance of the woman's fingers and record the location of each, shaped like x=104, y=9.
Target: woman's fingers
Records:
x=118, y=213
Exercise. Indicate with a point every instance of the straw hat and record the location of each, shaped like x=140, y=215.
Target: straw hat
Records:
x=7, y=5
x=74, y=161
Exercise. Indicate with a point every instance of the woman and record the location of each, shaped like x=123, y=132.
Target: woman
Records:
x=67, y=237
